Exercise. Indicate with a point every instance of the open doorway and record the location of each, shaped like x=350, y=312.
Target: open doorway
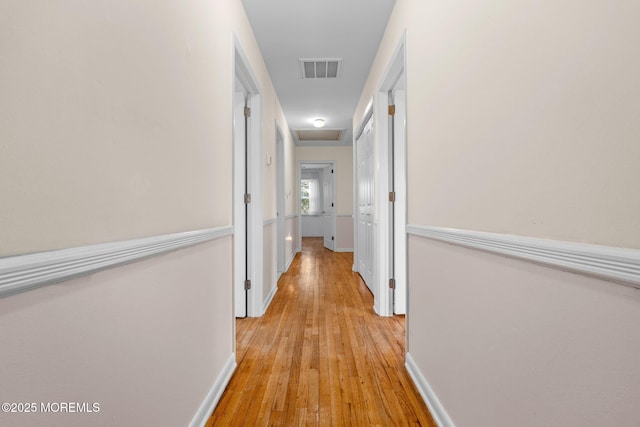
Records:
x=318, y=201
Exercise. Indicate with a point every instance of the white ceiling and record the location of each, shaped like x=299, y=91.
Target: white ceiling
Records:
x=288, y=30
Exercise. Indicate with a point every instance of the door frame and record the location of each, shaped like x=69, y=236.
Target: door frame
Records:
x=280, y=200
x=378, y=108
x=253, y=261
x=394, y=71
x=332, y=216
x=394, y=250
x=400, y=188
x=297, y=192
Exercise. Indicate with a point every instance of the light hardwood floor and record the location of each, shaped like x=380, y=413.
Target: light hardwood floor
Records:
x=320, y=355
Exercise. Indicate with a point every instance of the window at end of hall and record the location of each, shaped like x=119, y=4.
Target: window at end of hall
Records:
x=305, y=196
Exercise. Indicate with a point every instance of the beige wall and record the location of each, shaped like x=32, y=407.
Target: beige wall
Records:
x=145, y=341
x=521, y=120
x=344, y=163
x=114, y=120
x=344, y=226
x=274, y=117
x=522, y=113
x=111, y=121
x=510, y=343
x=116, y=123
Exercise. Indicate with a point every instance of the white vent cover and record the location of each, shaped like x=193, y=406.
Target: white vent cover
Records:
x=320, y=68
x=319, y=134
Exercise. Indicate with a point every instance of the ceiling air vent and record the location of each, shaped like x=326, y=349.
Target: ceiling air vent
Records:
x=305, y=135
x=327, y=68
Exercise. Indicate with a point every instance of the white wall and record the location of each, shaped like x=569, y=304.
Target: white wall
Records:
x=116, y=123
x=520, y=121
x=312, y=226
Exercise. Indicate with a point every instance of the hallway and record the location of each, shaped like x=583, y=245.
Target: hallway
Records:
x=320, y=355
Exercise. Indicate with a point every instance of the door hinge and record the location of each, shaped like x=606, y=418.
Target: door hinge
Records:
x=247, y=198
x=392, y=283
x=247, y=112
x=331, y=204
x=392, y=110
x=331, y=170
x=332, y=238
x=392, y=196
x=247, y=285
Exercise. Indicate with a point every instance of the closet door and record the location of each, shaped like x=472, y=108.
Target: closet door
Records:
x=366, y=206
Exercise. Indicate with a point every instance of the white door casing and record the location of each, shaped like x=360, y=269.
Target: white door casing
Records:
x=328, y=208
x=247, y=177
x=280, y=167
x=239, y=223
x=317, y=166
x=392, y=147
x=385, y=243
x=398, y=98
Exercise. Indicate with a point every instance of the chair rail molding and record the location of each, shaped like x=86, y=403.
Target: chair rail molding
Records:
x=25, y=272
x=606, y=262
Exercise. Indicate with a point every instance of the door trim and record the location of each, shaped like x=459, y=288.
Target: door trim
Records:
x=254, y=261
x=280, y=201
x=394, y=69
x=335, y=187
x=332, y=216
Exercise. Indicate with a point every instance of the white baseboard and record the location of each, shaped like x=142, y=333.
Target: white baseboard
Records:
x=343, y=250
x=293, y=255
x=605, y=262
x=269, y=298
x=213, y=397
x=438, y=412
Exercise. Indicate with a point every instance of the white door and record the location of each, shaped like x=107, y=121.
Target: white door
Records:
x=365, y=155
x=328, y=207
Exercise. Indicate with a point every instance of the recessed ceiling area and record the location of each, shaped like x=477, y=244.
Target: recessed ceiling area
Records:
x=314, y=166
x=318, y=55
x=313, y=135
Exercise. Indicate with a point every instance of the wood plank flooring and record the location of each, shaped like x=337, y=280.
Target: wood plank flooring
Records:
x=320, y=355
